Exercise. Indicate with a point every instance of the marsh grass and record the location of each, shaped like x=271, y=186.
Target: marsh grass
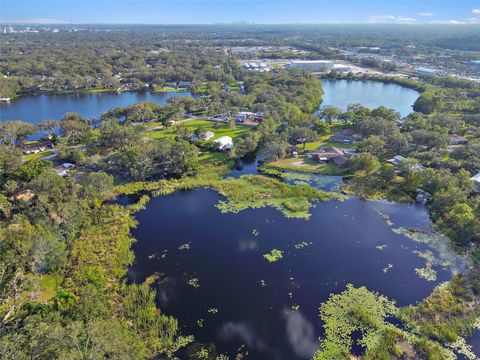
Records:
x=246, y=192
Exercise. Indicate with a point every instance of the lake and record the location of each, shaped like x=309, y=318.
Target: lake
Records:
x=37, y=108
x=370, y=94
x=214, y=279
x=339, y=93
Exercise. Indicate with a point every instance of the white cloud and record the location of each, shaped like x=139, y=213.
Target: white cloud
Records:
x=33, y=21
x=449, y=22
x=240, y=330
x=389, y=19
x=476, y=11
x=426, y=14
x=300, y=334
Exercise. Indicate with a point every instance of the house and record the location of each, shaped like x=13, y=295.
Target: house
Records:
x=458, y=140
x=63, y=169
x=207, y=135
x=224, y=142
x=244, y=116
x=332, y=155
x=258, y=117
x=184, y=84
x=39, y=146
x=346, y=136
x=476, y=183
x=396, y=160
x=425, y=71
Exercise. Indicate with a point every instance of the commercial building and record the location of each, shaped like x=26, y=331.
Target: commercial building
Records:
x=425, y=71
x=312, y=65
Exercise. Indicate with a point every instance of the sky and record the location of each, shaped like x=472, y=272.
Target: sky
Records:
x=228, y=11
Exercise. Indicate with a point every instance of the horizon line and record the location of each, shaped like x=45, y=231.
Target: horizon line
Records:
x=14, y=22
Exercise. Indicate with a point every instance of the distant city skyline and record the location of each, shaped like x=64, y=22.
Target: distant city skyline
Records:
x=228, y=11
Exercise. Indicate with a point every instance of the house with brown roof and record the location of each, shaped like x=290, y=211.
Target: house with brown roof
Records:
x=331, y=154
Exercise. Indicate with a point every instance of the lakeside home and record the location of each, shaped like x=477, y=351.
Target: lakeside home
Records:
x=334, y=155
x=224, y=142
x=37, y=147
x=476, y=182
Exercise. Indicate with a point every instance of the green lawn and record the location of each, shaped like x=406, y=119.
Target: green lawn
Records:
x=36, y=156
x=47, y=287
x=222, y=130
x=306, y=165
x=212, y=157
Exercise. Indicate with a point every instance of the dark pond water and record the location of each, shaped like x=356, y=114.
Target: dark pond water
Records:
x=370, y=94
x=35, y=109
x=224, y=292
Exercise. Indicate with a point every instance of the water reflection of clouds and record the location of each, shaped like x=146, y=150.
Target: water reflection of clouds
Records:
x=300, y=334
x=240, y=330
x=247, y=245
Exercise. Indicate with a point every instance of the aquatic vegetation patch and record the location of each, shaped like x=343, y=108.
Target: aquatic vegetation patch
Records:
x=388, y=268
x=302, y=245
x=385, y=217
x=273, y=255
x=450, y=311
x=246, y=192
x=442, y=255
x=462, y=347
x=427, y=273
x=185, y=246
x=364, y=315
x=194, y=283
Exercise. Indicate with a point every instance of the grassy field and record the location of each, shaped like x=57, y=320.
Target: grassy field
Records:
x=305, y=164
x=212, y=157
x=47, y=286
x=222, y=130
x=36, y=156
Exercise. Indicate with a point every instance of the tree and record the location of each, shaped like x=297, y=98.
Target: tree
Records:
x=49, y=127
x=388, y=172
x=321, y=128
x=367, y=163
x=96, y=184
x=411, y=170
x=272, y=151
x=116, y=136
x=301, y=135
x=428, y=102
x=373, y=145
x=74, y=128
x=245, y=145
x=330, y=113
x=15, y=132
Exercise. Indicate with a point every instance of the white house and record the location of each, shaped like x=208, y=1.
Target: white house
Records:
x=224, y=142
x=244, y=115
x=476, y=182
x=397, y=159
x=204, y=136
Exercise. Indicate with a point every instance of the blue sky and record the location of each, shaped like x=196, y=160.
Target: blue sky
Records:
x=255, y=11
